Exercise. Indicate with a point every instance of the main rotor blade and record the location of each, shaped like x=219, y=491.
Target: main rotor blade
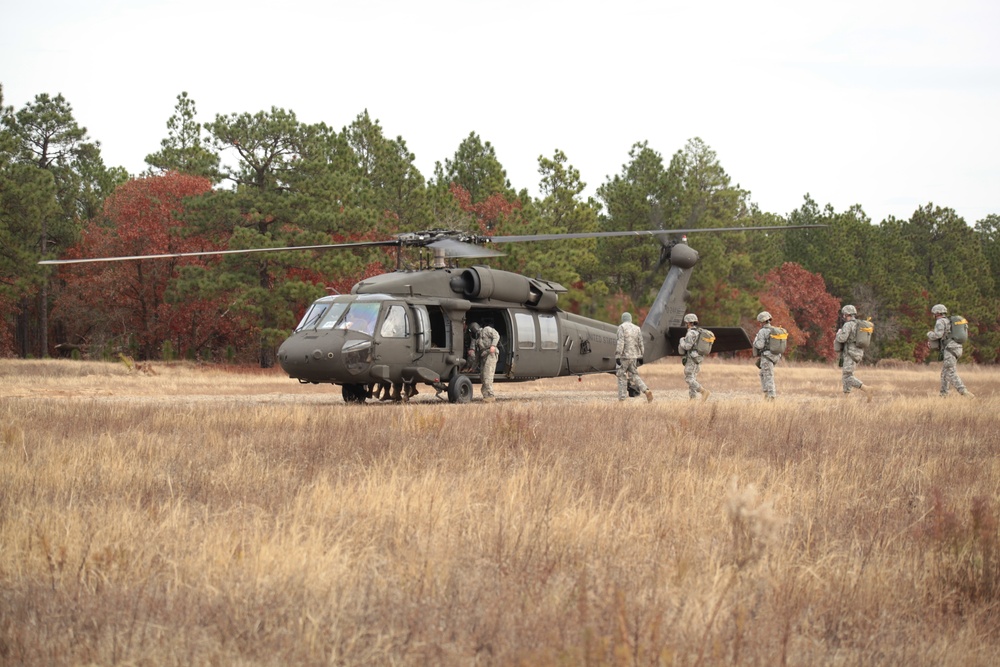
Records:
x=452, y=247
x=637, y=232
x=358, y=244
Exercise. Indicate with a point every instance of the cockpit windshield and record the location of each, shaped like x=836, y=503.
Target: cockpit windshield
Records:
x=312, y=315
x=361, y=317
x=322, y=315
x=345, y=312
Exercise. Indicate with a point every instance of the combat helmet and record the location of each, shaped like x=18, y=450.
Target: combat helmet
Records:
x=691, y=318
x=848, y=310
x=939, y=309
x=474, y=329
x=626, y=317
x=763, y=316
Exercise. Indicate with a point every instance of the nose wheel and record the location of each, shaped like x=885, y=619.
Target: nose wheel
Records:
x=460, y=389
x=354, y=393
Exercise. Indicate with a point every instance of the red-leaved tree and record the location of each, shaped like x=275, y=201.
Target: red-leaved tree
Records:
x=781, y=316
x=490, y=212
x=812, y=311
x=123, y=305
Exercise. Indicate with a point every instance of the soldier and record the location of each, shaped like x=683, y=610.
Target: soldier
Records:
x=486, y=341
x=850, y=354
x=627, y=353
x=765, y=358
x=951, y=350
x=692, y=358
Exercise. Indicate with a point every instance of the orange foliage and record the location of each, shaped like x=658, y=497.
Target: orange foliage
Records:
x=488, y=212
x=811, y=311
x=127, y=299
x=782, y=317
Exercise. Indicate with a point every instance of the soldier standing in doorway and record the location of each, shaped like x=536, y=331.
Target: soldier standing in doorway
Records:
x=486, y=341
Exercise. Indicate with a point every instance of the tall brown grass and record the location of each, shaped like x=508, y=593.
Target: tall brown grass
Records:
x=185, y=515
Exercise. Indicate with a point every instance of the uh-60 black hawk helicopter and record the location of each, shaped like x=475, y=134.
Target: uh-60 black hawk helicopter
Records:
x=410, y=327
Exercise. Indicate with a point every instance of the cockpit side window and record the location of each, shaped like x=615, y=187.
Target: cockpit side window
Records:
x=396, y=324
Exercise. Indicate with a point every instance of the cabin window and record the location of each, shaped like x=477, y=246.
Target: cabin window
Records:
x=396, y=324
x=525, y=331
x=432, y=327
x=440, y=327
x=549, y=332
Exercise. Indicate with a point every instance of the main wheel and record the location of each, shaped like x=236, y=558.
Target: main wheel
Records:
x=460, y=389
x=354, y=393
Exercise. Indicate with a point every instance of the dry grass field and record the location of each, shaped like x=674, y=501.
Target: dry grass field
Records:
x=180, y=515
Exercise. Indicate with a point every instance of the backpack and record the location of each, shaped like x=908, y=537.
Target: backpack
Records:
x=705, y=340
x=863, y=333
x=777, y=340
x=959, y=329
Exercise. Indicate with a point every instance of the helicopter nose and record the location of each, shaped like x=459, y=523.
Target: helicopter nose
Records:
x=313, y=359
x=333, y=357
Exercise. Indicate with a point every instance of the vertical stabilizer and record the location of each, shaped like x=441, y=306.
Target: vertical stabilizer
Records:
x=668, y=308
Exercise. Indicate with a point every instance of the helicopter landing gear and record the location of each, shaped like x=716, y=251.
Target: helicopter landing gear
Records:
x=354, y=393
x=460, y=389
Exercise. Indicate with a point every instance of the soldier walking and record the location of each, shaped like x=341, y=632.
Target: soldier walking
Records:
x=692, y=358
x=765, y=358
x=940, y=338
x=628, y=351
x=851, y=355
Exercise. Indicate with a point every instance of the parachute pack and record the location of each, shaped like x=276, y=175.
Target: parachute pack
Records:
x=863, y=334
x=959, y=329
x=705, y=340
x=777, y=341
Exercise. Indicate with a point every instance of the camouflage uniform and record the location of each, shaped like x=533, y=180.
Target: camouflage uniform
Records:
x=628, y=350
x=950, y=353
x=767, y=359
x=851, y=354
x=487, y=340
x=692, y=361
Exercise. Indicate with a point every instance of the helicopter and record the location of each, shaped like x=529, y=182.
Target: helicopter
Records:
x=411, y=326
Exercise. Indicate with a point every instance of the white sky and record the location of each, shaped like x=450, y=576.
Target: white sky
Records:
x=887, y=104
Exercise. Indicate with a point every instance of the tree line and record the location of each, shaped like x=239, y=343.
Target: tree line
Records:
x=268, y=180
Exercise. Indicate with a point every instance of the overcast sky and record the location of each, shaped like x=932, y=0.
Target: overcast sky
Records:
x=886, y=104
